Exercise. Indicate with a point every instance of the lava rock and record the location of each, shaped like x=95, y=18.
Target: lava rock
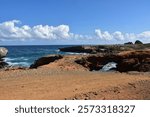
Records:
x=138, y=42
x=78, y=49
x=128, y=43
x=3, y=64
x=126, y=61
x=128, y=65
x=45, y=60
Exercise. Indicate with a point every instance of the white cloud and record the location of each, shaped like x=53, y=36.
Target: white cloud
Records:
x=144, y=35
x=108, y=36
x=130, y=36
x=10, y=30
x=98, y=33
x=119, y=36
x=103, y=35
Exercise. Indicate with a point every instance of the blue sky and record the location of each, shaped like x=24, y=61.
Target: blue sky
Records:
x=89, y=21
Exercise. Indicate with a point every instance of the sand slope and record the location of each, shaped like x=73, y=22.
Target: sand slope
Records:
x=47, y=83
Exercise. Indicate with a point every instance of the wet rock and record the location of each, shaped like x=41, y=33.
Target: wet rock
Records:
x=3, y=64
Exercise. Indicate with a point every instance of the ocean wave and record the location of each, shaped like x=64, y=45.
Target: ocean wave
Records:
x=57, y=50
x=7, y=59
x=25, y=64
x=23, y=58
x=74, y=53
x=109, y=66
x=17, y=62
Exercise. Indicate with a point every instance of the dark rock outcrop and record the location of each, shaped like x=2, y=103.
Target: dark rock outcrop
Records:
x=94, y=49
x=126, y=61
x=134, y=61
x=138, y=42
x=45, y=60
x=128, y=43
x=92, y=62
x=3, y=64
x=79, y=49
x=128, y=65
x=96, y=62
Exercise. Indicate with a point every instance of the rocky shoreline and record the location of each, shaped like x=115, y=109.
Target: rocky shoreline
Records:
x=79, y=77
x=126, y=61
x=128, y=57
x=94, y=49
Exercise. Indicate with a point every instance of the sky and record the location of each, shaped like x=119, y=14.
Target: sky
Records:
x=50, y=22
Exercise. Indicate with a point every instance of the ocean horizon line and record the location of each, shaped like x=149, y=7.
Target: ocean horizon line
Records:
x=64, y=44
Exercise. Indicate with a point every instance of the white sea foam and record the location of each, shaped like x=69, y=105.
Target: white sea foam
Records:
x=23, y=58
x=73, y=53
x=6, y=59
x=12, y=61
x=18, y=64
x=57, y=50
x=109, y=66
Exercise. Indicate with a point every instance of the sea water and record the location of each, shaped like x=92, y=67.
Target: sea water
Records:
x=109, y=66
x=26, y=55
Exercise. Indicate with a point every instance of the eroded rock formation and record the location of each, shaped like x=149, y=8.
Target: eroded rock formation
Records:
x=45, y=60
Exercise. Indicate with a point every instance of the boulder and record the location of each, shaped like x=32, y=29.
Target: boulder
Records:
x=138, y=42
x=45, y=60
x=3, y=52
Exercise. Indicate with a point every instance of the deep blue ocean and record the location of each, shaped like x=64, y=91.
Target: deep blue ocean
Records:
x=26, y=55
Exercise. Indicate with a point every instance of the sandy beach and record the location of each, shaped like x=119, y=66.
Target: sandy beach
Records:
x=46, y=83
x=82, y=76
